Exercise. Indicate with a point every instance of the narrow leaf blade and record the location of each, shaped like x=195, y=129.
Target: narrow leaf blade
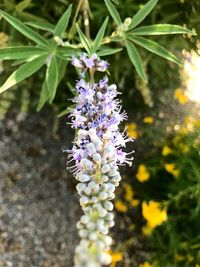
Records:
x=23, y=72
x=85, y=42
x=52, y=78
x=108, y=51
x=45, y=26
x=20, y=52
x=25, y=30
x=44, y=96
x=160, y=29
x=100, y=35
x=113, y=12
x=142, y=13
x=155, y=48
x=63, y=22
x=135, y=59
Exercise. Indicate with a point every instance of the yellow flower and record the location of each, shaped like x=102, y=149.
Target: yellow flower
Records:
x=132, y=130
x=166, y=151
x=180, y=96
x=128, y=192
x=145, y=264
x=179, y=257
x=190, y=258
x=120, y=206
x=197, y=265
x=116, y=257
x=129, y=195
x=148, y=120
x=153, y=214
x=142, y=174
x=147, y=230
x=171, y=168
x=134, y=202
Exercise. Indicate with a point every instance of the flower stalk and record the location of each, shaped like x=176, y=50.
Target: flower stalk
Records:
x=97, y=152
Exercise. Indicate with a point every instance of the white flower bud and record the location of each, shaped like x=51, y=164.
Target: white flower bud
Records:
x=82, y=133
x=88, y=190
x=102, y=212
x=82, y=177
x=80, y=187
x=83, y=233
x=105, y=258
x=111, y=188
x=111, y=223
x=97, y=157
x=111, y=196
x=105, y=168
x=86, y=164
x=93, y=186
x=84, y=200
x=108, y=151
x=93, y=236
x=84, y=219
x=108, y=240
x=103, y=195
x=105, y=178
x=110, y=216
x=94, y=199
x=108, y=205
x=91, y=226
x=91, y=148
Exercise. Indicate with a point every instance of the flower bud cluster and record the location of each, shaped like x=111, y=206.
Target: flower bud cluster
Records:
x=97, y=152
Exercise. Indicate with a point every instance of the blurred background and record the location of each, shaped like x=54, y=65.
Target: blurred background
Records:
x=157, y=206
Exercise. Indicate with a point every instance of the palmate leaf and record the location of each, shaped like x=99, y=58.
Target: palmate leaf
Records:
x=63, y=22
x=161, y=29
x=22, y=28
x=100, y=35
x=135, y=59
x=85, y=42
x=142, y=13
x=24, y=72
x=20, y=52
x=52, y=78
x=113, y=12
x=154, y=48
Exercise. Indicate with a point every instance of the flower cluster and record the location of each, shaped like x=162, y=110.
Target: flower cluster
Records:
x=97, y=152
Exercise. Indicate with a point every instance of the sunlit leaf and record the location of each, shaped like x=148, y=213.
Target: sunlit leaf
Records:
x=113, y=12
x=159, y=29
x=20, y=52
x=100, y=35
x=63, y=22
x=85, y=42
x=25, y=30
x=154, y=48
x=108, y=51
x=52, y=78
x=22, y=5
x=23, y=72
x=142, y=13
x=135, y=59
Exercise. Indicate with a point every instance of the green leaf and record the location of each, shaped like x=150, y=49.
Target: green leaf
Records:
x=159, y=29
x=22, y=5
x=62, y=64
x=113, y=12
x=46, y=26
x=20, y=52
x=85, y=42
x=100, y=35
x=135, y=59
x=154, y=48
x=52, y=78
x=63, y=22
x=142, y=13
x=44, y=96
x=108, y=51
x=23, y=72
x=21, y=27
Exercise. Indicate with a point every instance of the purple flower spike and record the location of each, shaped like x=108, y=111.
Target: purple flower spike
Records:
x=97, y=152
